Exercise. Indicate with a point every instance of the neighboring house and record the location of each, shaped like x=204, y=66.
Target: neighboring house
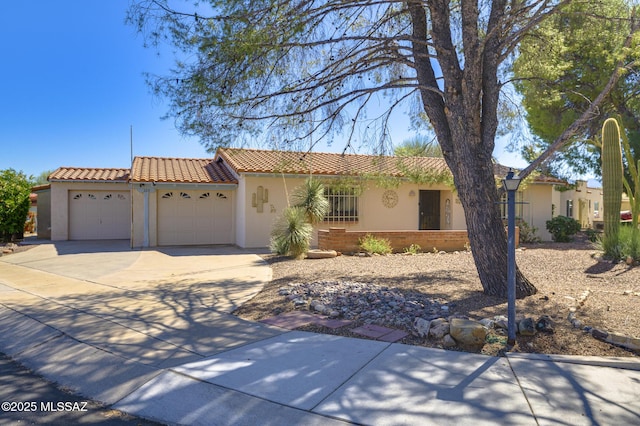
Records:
x=583, y=203
x=235, y=197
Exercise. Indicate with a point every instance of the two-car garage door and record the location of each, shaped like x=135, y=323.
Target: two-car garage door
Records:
x=185, y=217
x=99, y=215
x=189, y=217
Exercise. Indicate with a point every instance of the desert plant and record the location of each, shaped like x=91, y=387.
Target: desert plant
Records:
x=413, y=249
x=371, y=244
x=625, y=248
x=291, y=234
x=612, y=184
x=628, y=243
x=632, y=193
x=310, y=197
x=562, y=228
x=527, y=232
x=592, y=235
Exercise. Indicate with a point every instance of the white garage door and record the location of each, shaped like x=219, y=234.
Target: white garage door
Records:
x=191, y=217
x=99, y=215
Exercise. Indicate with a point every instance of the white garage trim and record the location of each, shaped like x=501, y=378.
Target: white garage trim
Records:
x=194, y=216
x=96, y=215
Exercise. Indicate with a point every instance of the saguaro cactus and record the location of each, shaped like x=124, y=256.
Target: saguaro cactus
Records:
x=611, y=184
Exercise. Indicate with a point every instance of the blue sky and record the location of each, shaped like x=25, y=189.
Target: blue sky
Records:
x=72, y=86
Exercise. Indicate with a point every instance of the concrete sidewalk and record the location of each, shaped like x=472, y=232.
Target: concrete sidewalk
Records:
x=151, y=335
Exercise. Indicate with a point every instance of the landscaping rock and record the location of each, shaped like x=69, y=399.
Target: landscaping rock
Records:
x=422, y=326
x=448, y=341
x=628, y=342
x=527, y=327
x=439, y=330
x=467, y=333
x=321, y=254
x=545, y=324
x=501, y=322
x=488, y=322
x=370, y=303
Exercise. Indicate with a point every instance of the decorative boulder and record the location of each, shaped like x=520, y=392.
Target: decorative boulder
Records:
x=422, y=326
x=439, y=330
x=321, y=254
x=545, y=324
x=527, y=327
x=501, y=321
x=467, y=333
x=448, y=341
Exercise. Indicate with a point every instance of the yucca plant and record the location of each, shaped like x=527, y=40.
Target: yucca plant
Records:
x=310, y=197
x=291, y=233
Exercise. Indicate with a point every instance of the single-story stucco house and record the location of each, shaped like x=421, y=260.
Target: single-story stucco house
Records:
x=235, y=197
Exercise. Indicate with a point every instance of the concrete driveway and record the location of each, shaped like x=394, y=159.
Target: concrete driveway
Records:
x=158, y=307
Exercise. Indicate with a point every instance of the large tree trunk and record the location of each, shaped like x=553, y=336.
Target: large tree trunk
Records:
x=477, y=191
x=463, y=112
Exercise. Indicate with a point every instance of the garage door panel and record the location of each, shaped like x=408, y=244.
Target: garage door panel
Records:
x=194, y=217
x=99, y=215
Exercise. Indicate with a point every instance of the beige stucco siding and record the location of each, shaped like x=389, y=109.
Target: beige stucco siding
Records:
x=139, y=215
x=537, y=208
x=253, y=227
x=44, y=214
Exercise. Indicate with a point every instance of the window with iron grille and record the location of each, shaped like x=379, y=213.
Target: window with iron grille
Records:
x=504, y=207
x=343, y=204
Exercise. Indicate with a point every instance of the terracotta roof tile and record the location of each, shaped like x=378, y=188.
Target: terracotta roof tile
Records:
x=180, y=170
x=89, y=174
x=290, y=162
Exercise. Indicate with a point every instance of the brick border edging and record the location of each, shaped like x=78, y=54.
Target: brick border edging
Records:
x=346, y=241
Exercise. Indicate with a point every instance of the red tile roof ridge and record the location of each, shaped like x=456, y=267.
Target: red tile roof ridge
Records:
x=91, y=173
x=180, y=170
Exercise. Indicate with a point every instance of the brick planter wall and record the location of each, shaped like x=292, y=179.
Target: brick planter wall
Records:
x=344, y=241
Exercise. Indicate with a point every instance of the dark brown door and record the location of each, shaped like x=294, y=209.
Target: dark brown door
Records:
x=429, y=210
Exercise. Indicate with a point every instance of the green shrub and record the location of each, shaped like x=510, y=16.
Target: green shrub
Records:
x=291, y=234
x=628, y=244
x=527, y=232
x=626, y=247
x=15, y=188
x=373, y=245
x=563, y=228
x=592, y=234
x=413, y=249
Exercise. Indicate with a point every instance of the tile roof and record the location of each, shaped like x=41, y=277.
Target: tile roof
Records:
x=318, y=163
x=89, y=174
x=180, y=170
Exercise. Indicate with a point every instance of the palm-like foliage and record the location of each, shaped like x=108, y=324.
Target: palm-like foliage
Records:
x=310, y=197
x=291, y=234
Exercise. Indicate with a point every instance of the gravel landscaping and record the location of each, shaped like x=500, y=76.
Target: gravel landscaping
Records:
x=576, y=290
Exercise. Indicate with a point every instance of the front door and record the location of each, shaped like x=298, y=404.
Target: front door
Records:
x=429, y=210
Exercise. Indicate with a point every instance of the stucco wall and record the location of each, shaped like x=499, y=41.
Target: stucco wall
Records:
x=537, y=210
x=138, y=215
x=254, y=229
x=43, y=217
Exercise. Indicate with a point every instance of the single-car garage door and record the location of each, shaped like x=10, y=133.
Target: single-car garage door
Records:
x=99, y=215
x=192, y=217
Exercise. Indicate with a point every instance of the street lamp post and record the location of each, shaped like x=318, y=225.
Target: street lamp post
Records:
x=511, y=184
